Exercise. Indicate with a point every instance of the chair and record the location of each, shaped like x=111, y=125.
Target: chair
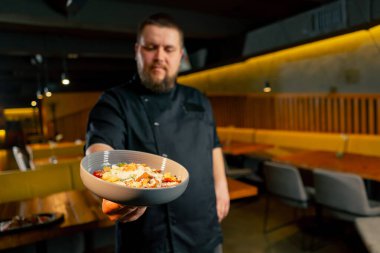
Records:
x=344, y=195
x=284, y=182
x=22, y=159
x=237, y=172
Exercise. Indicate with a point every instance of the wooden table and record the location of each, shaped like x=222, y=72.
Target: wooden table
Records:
x=271, y=152
x=240, y=190
x=81, y=210
x=241, y=148
x=368, y=167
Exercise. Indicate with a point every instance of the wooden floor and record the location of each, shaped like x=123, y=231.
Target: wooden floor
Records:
x=243, y=231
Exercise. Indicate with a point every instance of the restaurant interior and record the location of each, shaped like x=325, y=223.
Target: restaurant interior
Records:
x=295, y=91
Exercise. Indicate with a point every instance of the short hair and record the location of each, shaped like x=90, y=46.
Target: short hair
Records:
x=162, y=20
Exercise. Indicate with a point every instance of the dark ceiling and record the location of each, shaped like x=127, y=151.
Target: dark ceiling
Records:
x=94, y=39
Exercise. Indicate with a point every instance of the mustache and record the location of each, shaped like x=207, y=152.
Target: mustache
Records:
x=158, y=65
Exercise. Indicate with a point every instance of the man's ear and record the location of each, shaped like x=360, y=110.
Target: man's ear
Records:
x=136, y=49
x=182, y=53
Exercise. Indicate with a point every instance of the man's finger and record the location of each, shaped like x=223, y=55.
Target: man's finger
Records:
x=134, y=215
x=108, y=206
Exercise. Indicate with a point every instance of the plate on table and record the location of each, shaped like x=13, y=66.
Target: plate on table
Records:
x=123, y=194
x=22, y=223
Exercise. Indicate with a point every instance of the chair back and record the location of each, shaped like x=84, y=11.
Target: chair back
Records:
x=236, y=172
x=21, y=159
x=341, y=191
x=284, y=181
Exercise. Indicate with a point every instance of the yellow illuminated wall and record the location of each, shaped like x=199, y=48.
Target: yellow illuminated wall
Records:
x=346, y=63
x=2, y=136
x=12, y=114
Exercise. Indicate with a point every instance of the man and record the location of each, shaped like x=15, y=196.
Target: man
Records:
x=154, y=114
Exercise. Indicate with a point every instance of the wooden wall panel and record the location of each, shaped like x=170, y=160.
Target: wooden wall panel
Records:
x=335, y=113
x=317, y=122
x=329, y=112
x=349, y=114
x=363, y=114
x=377, y=113
x=371, y=115
x=323, y=117
x=356, y=116
x=73, y=126
x=342, y=113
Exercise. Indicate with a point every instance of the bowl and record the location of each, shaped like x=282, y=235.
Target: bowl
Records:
x=126, y=195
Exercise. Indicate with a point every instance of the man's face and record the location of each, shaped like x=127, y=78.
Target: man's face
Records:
x=158, y=56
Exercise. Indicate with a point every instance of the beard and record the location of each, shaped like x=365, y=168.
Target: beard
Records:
x=157, y=86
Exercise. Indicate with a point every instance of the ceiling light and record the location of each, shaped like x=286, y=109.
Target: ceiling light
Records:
x=72, y=56
x=39, y=94
x=267, y=87
x=65, y=79
x=64, y=76
x=47, y=92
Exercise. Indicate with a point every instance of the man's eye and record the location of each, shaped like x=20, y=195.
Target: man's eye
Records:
x=150, y=47
x=169, y=49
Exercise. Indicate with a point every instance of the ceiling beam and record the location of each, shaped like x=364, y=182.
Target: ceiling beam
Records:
x=21, y=43
x=117, y=16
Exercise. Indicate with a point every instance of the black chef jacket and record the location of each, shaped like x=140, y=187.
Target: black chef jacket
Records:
x=180, y=125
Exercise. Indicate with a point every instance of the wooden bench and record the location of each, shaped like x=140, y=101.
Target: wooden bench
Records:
x=19, y=185
x=45, y=150
x=240, y=190
x=363, y=144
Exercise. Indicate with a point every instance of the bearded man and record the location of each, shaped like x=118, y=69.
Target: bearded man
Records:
x=154, y=114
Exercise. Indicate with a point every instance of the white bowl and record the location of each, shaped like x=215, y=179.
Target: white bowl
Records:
x=127, y=195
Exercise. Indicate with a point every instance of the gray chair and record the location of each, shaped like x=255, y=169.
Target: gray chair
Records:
x=237, y=172
x=284, y=182
x=344, y=195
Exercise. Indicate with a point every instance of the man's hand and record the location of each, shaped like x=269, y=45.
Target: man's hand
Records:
x=222, y=201
x=221, y=187
x=122, y=213
x=113, y=210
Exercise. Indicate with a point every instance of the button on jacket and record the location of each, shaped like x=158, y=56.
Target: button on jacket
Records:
x=179, y=125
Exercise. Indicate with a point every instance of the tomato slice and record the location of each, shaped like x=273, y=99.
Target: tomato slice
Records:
x=168, y=179
x=98, y=173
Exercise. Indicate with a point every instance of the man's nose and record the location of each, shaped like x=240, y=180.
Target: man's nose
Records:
x=160, y=53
